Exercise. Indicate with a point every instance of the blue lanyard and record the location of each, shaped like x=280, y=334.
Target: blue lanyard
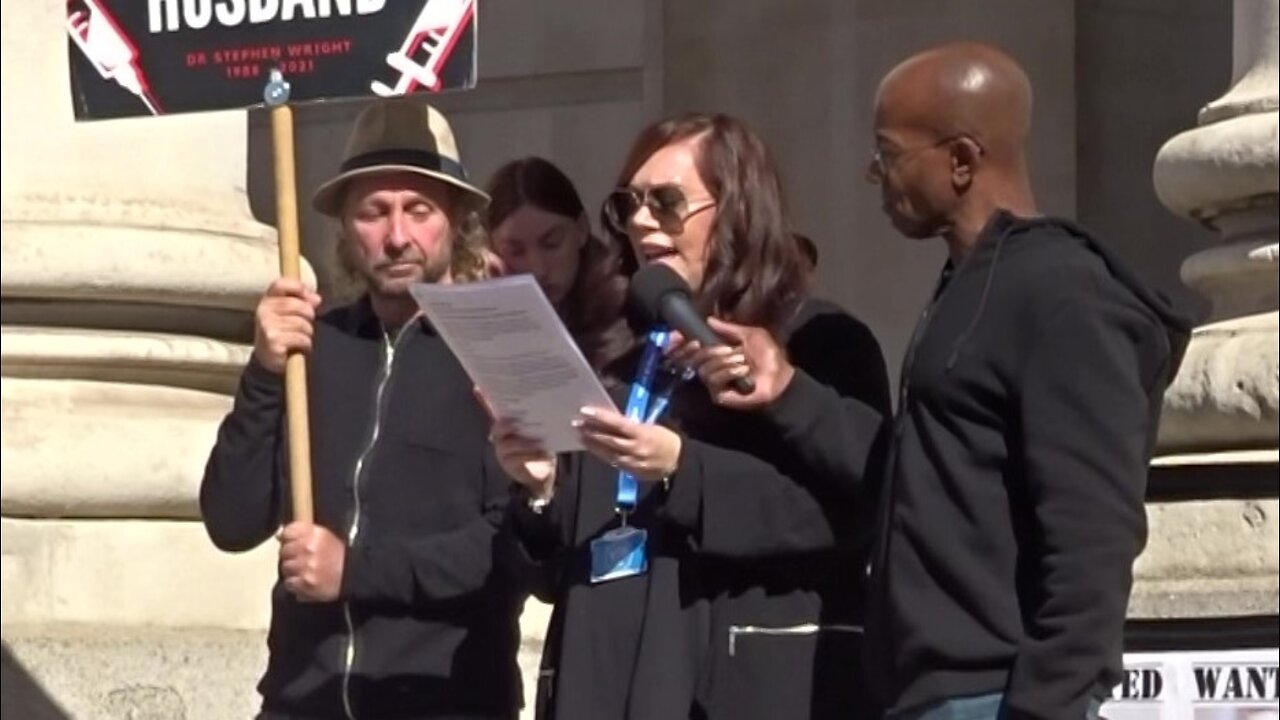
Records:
x=644, y=406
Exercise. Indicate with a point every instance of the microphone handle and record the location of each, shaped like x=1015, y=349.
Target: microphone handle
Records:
x=679, y=313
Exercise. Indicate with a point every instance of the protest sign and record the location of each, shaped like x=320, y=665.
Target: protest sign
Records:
x=153, y=57
x=1202, y=685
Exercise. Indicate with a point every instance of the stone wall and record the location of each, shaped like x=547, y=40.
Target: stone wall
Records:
x=131, y=263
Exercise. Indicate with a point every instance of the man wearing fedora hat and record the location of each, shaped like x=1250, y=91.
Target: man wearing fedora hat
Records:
x=391, y=604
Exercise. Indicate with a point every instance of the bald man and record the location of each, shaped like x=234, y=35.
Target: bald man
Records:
x=1012, y=509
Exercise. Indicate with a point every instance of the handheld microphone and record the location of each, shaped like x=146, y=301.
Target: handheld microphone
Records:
x=658, y=294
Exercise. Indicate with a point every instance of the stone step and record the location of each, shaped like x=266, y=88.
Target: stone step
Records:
x=130, y=673
x=76, y=671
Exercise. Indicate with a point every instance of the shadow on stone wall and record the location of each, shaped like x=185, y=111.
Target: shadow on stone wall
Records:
x=22, y=696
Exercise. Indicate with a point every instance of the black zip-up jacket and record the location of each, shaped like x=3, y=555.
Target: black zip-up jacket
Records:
x=1028, y=411
x=427, y=623
x=750, y=606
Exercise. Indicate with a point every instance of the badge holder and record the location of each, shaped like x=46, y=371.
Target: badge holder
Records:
x=619, y=553
x=623, y=551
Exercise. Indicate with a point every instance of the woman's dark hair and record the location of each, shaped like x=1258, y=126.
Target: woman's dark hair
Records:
x=807, y=248
x=754, y=273
x=592, y=311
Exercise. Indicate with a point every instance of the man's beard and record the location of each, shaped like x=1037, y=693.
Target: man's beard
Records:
x=380, y=277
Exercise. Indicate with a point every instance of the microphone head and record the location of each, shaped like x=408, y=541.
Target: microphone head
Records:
x=649, y=286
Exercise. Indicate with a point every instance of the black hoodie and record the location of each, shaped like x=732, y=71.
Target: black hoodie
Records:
x=1030, y=398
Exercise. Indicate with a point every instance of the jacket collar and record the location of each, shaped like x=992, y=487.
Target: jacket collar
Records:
x=363, y=322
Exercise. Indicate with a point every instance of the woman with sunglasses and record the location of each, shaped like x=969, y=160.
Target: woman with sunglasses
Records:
x=538, y=225
x=701, y=566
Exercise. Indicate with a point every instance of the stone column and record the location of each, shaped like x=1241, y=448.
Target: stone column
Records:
x=1223, y=173
x=131, y=264
x=1214, y=554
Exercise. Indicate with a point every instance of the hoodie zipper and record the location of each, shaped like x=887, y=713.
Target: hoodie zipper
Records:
x=789, y=631
x=384, y=378
x=946, y=281
x=885, y=511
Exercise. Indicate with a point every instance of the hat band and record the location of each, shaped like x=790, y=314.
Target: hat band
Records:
x=424, y=159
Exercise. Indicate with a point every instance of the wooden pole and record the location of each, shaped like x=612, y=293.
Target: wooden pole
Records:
x=295, y=372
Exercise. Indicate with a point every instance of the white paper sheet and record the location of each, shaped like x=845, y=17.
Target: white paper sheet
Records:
x=512, y=343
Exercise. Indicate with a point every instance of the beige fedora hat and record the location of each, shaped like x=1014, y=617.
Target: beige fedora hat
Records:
x=398, y=135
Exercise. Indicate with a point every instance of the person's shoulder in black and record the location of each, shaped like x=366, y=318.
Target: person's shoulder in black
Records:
x=839, y=350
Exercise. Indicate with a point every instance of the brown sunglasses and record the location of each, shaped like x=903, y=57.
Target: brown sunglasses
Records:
x=666, y=202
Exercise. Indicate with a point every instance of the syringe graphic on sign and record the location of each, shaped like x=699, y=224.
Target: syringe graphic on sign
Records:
x=110, y=51
x=431, y=41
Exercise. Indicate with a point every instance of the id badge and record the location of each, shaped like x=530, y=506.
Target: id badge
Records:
x=619, y=553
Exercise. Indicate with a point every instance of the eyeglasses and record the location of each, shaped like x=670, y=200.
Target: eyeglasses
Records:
x=666, y=202
x=881, y=158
